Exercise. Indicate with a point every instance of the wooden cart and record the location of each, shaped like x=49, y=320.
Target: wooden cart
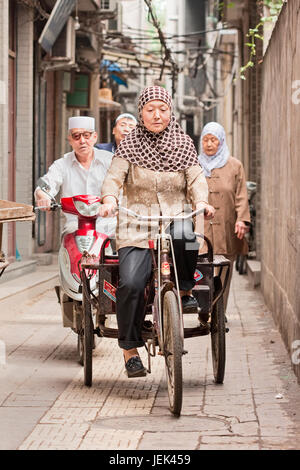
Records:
x=12, y=212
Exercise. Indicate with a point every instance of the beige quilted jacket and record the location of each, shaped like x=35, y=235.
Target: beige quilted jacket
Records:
x=149, y=192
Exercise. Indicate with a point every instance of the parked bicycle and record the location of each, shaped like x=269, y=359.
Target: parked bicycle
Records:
x=241, y=260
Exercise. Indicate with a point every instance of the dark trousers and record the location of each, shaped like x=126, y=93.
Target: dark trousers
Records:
x=135, y=266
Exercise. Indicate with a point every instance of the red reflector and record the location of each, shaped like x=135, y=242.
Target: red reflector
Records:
x=165, y=268
x=151, y=244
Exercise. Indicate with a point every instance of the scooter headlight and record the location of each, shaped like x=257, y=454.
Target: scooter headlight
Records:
x=88, y=210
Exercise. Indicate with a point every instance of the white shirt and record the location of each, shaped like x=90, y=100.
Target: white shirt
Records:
x=73, y=179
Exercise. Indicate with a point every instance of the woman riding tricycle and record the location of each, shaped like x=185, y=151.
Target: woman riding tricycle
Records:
x=157, y=270
x=157, y=168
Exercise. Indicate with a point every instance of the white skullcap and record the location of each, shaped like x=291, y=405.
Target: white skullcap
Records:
x=82, y=122
x=127, y=116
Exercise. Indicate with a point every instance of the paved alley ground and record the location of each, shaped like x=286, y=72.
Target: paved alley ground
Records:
x=44, y=404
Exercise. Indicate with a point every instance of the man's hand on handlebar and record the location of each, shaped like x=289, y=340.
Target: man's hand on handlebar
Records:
x=43, y=200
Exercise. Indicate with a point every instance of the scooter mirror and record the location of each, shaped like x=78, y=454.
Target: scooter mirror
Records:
x=45, y=188
x=43, y=185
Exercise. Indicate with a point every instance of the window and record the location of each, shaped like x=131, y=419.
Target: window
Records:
x=80, y=97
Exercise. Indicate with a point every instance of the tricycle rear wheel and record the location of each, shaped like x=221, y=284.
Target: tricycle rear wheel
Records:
x=218, y=345
x=173, y=346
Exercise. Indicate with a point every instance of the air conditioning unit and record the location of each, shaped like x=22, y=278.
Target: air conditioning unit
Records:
x=63, y=49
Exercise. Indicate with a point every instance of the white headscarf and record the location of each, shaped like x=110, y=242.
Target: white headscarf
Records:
x=220, y=158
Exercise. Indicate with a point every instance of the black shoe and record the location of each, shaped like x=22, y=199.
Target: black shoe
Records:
x=203, y=317
x=134, y=367
x=189, y=304
x=147, y=325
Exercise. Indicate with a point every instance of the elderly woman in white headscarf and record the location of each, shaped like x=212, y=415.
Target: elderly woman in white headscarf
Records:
x=227, y=194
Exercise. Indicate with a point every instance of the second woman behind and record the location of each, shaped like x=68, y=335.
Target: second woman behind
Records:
x=227, y=192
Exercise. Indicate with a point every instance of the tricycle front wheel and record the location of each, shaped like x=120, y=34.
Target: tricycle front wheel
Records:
x=173, y=347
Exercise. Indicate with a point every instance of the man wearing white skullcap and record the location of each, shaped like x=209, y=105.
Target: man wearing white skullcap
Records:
x=124, y=124
x=81, y=171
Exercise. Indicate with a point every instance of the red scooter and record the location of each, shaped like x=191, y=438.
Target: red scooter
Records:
x=85, y=240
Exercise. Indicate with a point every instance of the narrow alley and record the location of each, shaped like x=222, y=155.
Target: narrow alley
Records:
x=148, y=150
x=44, y=404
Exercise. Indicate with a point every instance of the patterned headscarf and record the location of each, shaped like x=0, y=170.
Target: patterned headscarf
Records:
x=220, y=158
x=169, y=150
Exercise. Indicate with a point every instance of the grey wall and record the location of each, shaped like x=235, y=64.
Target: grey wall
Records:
x=280, y=167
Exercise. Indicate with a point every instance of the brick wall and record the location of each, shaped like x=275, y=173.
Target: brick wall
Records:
x=255, y=90
x=252, y=89
x=245, y=102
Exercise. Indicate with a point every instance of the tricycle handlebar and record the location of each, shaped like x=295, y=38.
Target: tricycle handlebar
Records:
x=162, y=218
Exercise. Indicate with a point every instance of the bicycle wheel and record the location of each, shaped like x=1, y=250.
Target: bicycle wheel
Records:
x=173, y=351
x=218, y=345
x=88, y=339
x=242, y=264
x=80, y=348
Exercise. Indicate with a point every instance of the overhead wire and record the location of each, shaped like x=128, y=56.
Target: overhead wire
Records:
x=167, y=53
x=193, y=33
x=141, y=37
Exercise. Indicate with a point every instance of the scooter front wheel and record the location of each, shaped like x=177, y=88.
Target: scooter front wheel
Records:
x=88, y=337
x=80, y=348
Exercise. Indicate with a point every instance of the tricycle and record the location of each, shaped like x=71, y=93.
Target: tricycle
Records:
x=87, y=258
x=166, y=330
